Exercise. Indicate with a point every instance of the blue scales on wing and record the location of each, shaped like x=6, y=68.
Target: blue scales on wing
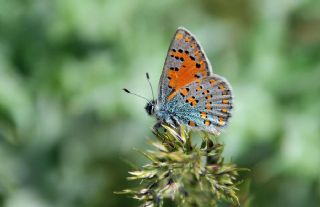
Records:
x=204, y=104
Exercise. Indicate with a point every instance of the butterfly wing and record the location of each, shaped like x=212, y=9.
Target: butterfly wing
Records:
x=189, y=92
x=185, y=63
x=204, y=105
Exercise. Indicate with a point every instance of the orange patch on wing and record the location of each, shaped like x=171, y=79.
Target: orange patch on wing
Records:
x=221, y=87
x=191, y=123
x=192, y=101
x=208, y=106
x=179, y=36
x=208, y=97
x=184, y=91
x=212, y=82
x=203, y=115
x=205, y=92
x=187, y=39
x=199, y=88
x=221, y=121
x=224, y=110
x=225, y=101
x=185, y=74
x=172, y=95
x=207, y=122
x=197, y=53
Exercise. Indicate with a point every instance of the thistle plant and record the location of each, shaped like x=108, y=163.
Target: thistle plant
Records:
x=186, y=174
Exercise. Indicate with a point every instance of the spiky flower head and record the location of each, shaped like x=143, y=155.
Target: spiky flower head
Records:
x=186, y=174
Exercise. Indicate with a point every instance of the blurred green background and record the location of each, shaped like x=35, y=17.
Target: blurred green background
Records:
x=67, y=128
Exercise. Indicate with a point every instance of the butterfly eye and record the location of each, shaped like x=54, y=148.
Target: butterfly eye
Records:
x=150, y=107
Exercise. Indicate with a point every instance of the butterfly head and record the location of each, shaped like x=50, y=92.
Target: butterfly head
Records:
x=150, y=107
x=151, y=104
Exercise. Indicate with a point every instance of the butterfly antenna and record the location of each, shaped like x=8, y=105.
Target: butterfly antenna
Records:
x=126, y=90
x=148, y=78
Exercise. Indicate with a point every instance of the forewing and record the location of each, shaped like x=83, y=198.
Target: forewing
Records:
x=208, y=104
x=186, y=62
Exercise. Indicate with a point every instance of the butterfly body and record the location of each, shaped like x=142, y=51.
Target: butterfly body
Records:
x=189, y=92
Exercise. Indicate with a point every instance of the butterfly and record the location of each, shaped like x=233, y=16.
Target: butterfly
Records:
x=189, y=92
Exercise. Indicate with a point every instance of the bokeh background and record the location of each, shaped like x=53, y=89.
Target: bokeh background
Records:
x=68, y=131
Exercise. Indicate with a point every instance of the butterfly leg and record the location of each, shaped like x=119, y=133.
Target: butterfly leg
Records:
x=176, y=124
x=157, y=126
x=171, y=122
